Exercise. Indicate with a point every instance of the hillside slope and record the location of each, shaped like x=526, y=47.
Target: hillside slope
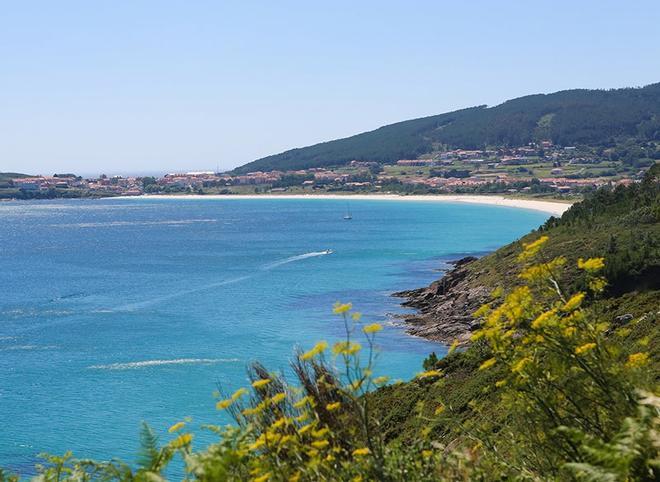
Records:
x=623, y=225
x=592, y=117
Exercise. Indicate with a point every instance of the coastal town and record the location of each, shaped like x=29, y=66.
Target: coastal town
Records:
x=539, y=169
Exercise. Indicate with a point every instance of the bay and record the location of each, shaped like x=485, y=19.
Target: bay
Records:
x=117, y=311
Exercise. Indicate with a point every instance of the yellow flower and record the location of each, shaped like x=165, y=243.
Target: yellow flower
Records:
x=332, y=406
x=573, y=303
x=181, y=440
x=176, y=427
x=319, y=348
x=223, y=404
x=356, y=385
x=520, y=365
x=373, y=328
x=304, y=429
x=263, y=478
x=302, y=402
x=427, y=453
x=429, y=374
x=320, y=433
x=381, y=380
x=295, y=477
x=530, y=249
x=597, y=284
x=280, y=422
x=500, y=383
x=487, y=364
x=340, y=308
x=253, y=411
x=483, y=310
x=585, y=348
x=592, y=264
x=569, y=331
x=439, y=410
x=356, y=316
x=260, y=442
x=285, y=439
x=543, y=319
x=453, y=347
x=637, y=360
x=239, y=393
x=320, y=444
x=302, y=418
x=346, y=348
x=261, y=383
x=313, y=453
x=362, y=451
x=539, y=272
x=277, y=398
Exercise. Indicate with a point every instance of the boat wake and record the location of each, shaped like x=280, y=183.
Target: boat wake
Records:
x=172, y=222
x=178, y=294
x=156, y=363
x=160, y=299
x=293, y=259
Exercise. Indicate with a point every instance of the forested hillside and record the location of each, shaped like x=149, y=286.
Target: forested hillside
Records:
x=586, y=117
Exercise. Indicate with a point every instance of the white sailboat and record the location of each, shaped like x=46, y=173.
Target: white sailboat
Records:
x=348, y=216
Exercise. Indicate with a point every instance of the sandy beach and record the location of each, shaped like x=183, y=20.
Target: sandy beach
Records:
x=556, y=208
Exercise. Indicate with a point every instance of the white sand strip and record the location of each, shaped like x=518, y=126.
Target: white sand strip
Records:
x=555, y=208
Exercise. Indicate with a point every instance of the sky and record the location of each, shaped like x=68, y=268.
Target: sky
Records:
x=151, y=86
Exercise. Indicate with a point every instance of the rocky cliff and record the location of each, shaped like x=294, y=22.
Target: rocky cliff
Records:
x=445, y=307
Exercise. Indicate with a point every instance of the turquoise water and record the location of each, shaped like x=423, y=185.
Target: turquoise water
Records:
x=118, y=311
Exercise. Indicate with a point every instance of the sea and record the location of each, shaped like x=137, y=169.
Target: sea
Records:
x=119, y=311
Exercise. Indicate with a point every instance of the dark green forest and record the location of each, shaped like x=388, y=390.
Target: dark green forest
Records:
x=599, y=118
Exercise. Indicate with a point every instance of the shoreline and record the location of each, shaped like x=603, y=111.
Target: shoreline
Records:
x=555, y=208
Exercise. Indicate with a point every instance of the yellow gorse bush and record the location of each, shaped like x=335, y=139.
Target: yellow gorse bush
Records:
x=556, y=360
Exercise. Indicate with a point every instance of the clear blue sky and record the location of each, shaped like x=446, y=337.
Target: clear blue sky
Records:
x=135, y=86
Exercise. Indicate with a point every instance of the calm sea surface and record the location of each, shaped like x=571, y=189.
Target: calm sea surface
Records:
x=118, y=311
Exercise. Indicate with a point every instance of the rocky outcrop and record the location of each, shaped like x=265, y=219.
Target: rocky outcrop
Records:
x=445, y=307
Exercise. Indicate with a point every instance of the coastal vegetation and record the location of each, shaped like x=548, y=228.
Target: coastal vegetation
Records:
x=559, y=380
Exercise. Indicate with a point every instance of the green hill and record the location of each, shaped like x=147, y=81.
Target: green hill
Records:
x=589, y=117
x=5, y=176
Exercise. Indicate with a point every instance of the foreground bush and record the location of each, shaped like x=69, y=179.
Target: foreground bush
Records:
x=573, y=405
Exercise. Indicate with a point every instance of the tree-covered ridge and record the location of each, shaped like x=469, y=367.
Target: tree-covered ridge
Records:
x=588, y=117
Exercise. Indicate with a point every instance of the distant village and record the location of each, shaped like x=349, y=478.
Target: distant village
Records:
x=541, y=169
